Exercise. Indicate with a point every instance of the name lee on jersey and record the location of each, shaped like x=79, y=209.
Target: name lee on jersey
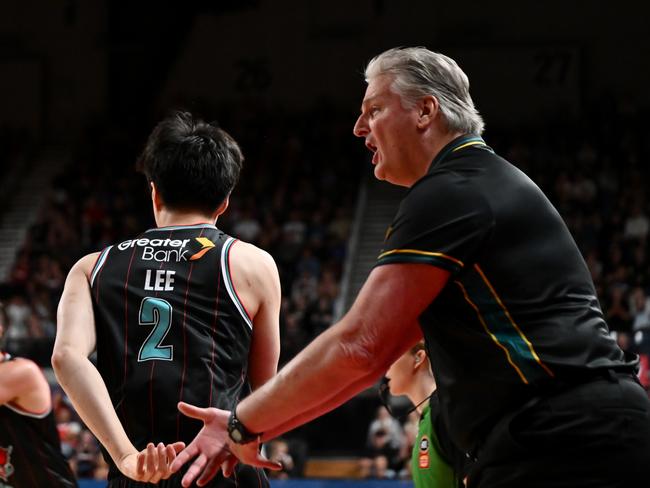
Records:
x=159, y=280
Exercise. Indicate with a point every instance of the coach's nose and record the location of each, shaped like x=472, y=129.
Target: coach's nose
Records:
x=361, y=128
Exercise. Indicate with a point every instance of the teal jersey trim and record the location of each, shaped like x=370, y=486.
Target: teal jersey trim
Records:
x=225, y=268
x=100, y=262
x=184, y=227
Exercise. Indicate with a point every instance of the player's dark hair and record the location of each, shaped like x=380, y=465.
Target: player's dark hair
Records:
x=193, y=164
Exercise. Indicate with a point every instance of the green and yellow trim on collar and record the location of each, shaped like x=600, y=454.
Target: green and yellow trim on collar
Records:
x=459, y=144
x=438, y=259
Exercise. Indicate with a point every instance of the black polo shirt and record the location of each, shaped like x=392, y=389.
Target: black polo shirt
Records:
x=519, y=312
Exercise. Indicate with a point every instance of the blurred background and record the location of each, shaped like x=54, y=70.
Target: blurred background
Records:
x=563, y=87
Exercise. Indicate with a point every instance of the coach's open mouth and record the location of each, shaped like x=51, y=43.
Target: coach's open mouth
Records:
x=373, y=149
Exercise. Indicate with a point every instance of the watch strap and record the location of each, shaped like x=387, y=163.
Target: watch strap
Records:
x=237, y=430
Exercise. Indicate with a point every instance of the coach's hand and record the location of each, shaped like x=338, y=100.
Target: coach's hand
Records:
x=212, y=448
x=209, y=445
x=152, y=464
x=248, y=453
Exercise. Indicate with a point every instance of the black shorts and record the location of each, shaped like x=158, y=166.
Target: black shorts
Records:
x=243, y=477
x=595, y=435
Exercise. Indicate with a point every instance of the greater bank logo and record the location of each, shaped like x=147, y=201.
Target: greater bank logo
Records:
x=169, y=250
x=144, y=242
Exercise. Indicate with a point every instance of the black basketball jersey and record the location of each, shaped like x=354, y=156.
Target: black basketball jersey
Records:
x=30, y=450
x=520, y=310
x=170, y=327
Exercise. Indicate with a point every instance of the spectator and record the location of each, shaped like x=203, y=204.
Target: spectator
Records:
x=385, y=455
x=247, y=227
x=86, y=455
x=637, y=224
x=18, y=314
x=640, y=309
x=617, y=311
x=278, y=451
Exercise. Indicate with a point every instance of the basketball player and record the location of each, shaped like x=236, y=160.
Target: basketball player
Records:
x=179, y=312
x=30, y=448
x=435, y=461
x=530, y=383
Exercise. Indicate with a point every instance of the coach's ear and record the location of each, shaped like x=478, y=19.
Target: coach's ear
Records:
x=428, y=109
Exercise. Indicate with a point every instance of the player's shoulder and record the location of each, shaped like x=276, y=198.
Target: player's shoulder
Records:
x=250, y=264
x=245, y=253
x=29, y=366
x=24, y=370
x=86, y=264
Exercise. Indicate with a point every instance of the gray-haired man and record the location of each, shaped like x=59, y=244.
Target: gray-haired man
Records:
x=479, y=261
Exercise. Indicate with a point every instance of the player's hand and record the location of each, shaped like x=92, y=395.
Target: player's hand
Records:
x=152, y=464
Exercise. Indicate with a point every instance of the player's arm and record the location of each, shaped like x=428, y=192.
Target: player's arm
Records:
x=23, y=384
x=255, y=276
x=75, y=341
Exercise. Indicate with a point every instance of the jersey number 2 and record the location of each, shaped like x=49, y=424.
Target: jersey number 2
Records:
x=156, y=312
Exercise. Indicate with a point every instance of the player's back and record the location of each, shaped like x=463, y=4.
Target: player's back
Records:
x=170, y=327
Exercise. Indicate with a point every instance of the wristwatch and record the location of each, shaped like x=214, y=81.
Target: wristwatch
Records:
x=237, y=431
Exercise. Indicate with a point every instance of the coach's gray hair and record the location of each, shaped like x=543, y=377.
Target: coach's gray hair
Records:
x=419, y=72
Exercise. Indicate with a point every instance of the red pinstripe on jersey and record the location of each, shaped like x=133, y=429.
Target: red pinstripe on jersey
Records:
x=187, y=291
x=153, y=367
x=214, y=328
x=126, y=333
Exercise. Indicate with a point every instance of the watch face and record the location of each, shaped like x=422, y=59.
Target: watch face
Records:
x=236, y=435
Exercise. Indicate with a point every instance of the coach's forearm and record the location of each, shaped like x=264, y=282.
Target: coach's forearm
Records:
x=337, y=364
x=84, y=386
x=321, y=409
x=381, y=325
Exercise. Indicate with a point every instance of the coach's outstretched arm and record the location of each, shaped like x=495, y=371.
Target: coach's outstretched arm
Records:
x=345, y=359
x=75, y=341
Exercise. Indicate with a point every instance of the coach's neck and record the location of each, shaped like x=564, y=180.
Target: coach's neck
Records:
x=430, y=136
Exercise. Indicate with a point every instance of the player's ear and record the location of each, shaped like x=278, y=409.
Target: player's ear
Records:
x=155, y=196
x=428, y=108
x=222, y=208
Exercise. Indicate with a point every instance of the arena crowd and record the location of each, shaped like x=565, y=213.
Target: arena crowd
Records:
x=296, y=199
